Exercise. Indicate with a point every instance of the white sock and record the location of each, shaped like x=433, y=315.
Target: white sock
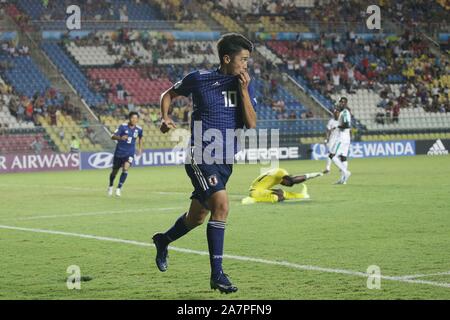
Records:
x=313, y=175
x=339, y=164
x=328, y=164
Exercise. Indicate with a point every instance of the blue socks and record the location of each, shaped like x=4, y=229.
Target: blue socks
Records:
x=123, y=177
x=112, y=176
x=215, y=232
x=178, y=230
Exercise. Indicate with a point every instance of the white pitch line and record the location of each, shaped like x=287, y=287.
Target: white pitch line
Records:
x=88, y=189
x=413, y=276
x=232, y=257
x=81, y=214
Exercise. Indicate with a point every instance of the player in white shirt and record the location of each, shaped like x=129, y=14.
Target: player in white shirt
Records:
x=332, y=137
x=339, y=151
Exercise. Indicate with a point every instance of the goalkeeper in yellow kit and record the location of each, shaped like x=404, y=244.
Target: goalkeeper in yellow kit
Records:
x=262, y=188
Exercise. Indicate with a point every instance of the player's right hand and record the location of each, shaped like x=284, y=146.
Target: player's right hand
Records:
x=124, y=138
x=166, y=125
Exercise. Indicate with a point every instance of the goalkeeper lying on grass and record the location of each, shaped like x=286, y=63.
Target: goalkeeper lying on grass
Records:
x=262, y=189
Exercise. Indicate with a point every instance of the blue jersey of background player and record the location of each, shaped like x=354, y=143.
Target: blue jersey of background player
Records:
x=222, y=100
x=126, y=136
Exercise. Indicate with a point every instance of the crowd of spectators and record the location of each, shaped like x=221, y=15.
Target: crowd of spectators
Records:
x=430, y=16
x=327, y=15
x=9, y=48
x=27, y=109
x=332, y=64
x=134, y=48
x=91, y=10
x=333, y=15
x=108, y=10
x=144, y=58
x=237, y=9
x=182, y=11
x=412, y=95
x=123, y=42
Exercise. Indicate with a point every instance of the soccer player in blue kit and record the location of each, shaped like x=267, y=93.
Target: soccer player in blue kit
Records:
x=223, y=100
x=126, y=136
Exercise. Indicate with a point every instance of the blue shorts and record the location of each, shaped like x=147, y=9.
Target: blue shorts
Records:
x=118, y=162
x=207, y=179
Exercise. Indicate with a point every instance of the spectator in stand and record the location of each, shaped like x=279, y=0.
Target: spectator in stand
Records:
x=28, y=109
x=384, y=102
x=273, y=86
x=24, y=50
x=36, y=145
x=20, y=112
x=380, y=116
x=336, y=81
x=292, y=115
x=74, y=145
x=120, y=90
x=85, y=123
x=131, y=107
x=279, y=106
x=53, y=117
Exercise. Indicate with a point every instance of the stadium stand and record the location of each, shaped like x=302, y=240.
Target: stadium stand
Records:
x=126, y=62
x=119, y=10
x=24, y=75
x=182, y=13
x=33, y=110
x=7, y=119
x=364, y=71
x=142, y=90
x=395, y=84
x=430, y=16
x=111, y=15
x=17, y=134
x=19, y=17
x=72, y=73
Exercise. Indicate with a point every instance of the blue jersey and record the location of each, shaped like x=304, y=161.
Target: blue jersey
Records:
x=127, y=148
x=217, y=104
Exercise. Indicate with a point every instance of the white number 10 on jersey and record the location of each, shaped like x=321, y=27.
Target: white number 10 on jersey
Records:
x=230, y=98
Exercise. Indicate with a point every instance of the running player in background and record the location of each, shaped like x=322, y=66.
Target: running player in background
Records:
x=262, y=188
x=126, y=136
x=332, y=136
x=339, y=151
x=223, y=100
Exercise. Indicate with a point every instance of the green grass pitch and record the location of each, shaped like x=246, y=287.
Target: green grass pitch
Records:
x=394, y=213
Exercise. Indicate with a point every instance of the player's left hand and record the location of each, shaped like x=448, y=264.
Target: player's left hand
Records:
x=244, y=80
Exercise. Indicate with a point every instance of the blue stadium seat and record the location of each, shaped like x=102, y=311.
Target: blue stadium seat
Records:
x=25, y=76
x=72, y=73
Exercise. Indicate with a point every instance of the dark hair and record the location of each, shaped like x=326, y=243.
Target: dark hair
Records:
x=343, y=98
x=133, y=113
x=231, y=44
